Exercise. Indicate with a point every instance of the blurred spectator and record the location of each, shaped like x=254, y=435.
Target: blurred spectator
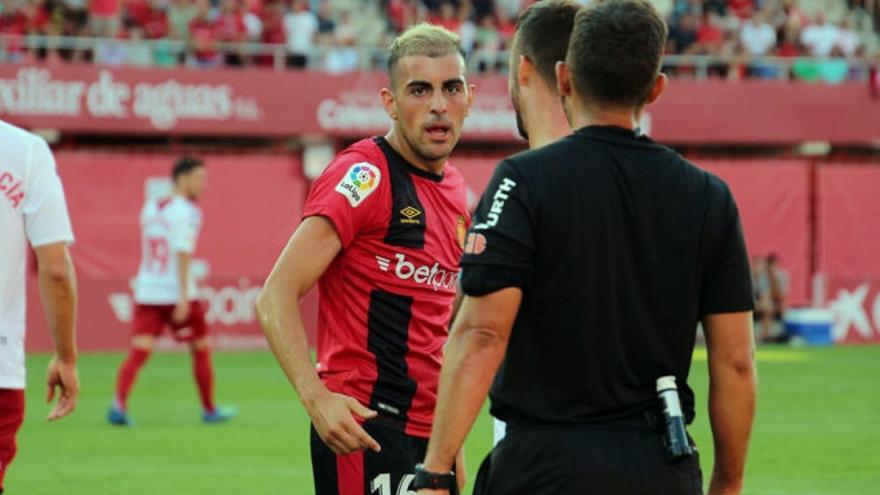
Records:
x=76, y=17
x=779, y=285
x=820, y=38
x=402, y=13
x=204, y=32
x=180, y=15
x=509, y=9
x=480, y=8
x=104, y=18
x=795, y=17
x=741, y=8
x=834, y=70
x=758, y=37
x=134, y=12
x=139, y=54
x=737, y=32
x=446, y=16
x=300, y=28
x=231, y=28
x=344, y=57
x=683, y=35
x=848, y=39
x=326, y=24
x=789, y=46
x=710, y=36
x=487, y=46
x=273, y=29
x=717, y=6
x=664, y=7
x=764, y=310
x=154, y=20
x=253, y=26
x=467, y=30
x=112, y=52
x=14, y=23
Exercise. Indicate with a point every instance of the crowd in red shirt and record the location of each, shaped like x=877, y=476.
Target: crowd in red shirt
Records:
x=739, y=32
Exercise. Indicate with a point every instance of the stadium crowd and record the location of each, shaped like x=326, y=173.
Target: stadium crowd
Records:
x=824, y=39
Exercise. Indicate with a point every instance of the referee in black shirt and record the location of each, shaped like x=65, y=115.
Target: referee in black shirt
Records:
x=590, y=262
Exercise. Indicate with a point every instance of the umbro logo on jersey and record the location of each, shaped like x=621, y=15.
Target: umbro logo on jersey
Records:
x=410, y=215
x=384, y=263
x=433, y=276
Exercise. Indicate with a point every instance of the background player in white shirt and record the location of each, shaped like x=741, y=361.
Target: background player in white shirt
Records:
x=165, y=291
x=32, y=210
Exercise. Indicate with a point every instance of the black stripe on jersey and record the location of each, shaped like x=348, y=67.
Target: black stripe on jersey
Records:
x=387, y=335
x=404, y=230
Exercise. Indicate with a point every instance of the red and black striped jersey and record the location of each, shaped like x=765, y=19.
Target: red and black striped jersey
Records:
x=386, y=300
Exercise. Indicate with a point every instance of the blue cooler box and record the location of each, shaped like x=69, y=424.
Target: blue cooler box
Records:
x=812, y=326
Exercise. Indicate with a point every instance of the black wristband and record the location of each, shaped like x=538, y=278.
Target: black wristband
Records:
x=433, y=481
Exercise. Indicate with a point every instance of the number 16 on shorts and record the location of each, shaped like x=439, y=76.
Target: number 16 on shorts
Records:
x=381, y=485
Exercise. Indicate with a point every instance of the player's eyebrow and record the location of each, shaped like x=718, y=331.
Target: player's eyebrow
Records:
x=419, y=84
x=458, y=80
x=426, y=84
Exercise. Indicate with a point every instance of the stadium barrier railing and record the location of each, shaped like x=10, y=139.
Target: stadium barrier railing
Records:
x=175, y=53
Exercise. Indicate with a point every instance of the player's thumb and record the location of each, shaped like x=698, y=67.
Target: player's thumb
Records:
x=361, y=410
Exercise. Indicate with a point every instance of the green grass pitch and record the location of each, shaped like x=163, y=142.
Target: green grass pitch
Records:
x=817, y=430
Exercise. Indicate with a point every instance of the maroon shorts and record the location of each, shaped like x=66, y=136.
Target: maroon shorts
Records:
x=11, y=417
x=153, y=319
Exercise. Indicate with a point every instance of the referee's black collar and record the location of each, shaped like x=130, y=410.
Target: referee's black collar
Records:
x=612, y=131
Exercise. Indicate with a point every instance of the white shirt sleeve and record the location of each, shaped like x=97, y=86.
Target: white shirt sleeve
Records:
x=185, y=231
x=45, y=210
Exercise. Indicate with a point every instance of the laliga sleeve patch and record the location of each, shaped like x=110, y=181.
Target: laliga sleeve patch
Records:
x=359, y=182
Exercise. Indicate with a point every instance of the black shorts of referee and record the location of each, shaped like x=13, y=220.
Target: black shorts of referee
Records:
x=620, y=457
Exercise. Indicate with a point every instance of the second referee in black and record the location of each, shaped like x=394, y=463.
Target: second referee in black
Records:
x=590, y=262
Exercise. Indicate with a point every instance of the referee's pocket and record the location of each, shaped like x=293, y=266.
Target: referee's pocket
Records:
x=696, y=471
x=481, y=482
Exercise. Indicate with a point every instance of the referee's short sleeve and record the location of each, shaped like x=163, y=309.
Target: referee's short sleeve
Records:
x=500, y=246
x=727, y=278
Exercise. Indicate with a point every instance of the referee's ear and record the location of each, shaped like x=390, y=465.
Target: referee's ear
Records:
x=563, y=79
x=660, y=83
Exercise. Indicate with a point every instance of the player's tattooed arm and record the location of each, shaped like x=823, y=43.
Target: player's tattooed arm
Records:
x=307, y=255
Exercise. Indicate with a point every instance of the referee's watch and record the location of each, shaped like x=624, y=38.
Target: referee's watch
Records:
x=434, y=481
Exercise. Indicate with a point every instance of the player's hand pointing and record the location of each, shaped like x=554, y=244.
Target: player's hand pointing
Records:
x=334, y=418
x=62, y=375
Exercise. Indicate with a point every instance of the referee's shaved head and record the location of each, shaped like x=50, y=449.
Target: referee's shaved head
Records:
x=616, y=51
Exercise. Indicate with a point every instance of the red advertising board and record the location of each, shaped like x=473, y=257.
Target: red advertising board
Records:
x=290, y=103
x=773, y=198
x=855, y=303
x=848, y=210
x=251, y=206
x=848, y=244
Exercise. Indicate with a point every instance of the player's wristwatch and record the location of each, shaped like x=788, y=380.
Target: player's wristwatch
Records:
x=433, y=481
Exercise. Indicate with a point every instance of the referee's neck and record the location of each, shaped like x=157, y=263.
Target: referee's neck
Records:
x=627, y=118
